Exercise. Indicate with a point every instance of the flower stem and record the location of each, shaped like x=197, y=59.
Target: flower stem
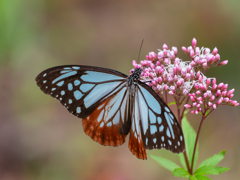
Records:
x=196, y=141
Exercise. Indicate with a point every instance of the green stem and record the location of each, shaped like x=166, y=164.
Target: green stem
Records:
x=196, y=141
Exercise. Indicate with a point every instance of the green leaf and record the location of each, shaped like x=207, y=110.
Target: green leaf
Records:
x=180, y=172
x=172, y=103
x=165, y=163
x=200, y=177
x=210, y=170
x=214, y=160
x=189, y=137
x=193, y=178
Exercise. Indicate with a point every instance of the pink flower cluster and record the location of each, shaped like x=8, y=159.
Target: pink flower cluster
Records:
x=165, y=72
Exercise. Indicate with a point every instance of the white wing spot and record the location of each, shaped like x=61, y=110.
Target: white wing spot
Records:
x=181, y=138
x=154, y=140
x=44, y=81
x=169, y=142
x=178, y=143
x=44, y=74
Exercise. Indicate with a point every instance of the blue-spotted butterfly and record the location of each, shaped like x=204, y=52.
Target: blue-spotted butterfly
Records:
x=112, y=105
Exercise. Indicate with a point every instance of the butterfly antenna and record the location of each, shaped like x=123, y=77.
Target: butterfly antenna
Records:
x=140, y=49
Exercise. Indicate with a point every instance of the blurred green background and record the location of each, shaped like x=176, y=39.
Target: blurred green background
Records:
x=39, y=139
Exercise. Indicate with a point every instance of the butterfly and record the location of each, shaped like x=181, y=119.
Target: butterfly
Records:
x=113, y=105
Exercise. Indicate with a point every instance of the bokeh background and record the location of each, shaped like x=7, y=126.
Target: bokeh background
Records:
x=39, y=139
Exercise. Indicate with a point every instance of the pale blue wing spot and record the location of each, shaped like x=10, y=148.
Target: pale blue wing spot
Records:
x=44, y=81
x=86, y=87
x=123, y=107
x=153, y=129
x=168, y=132
x=44, y=74
x=100, y=107
x=65, y=71
x=78, y=109
x=76, y=82
x=70, y=86
x=181, y=138
x=178, y=143
x=170, y=114
x=77, y=94
x=60, y=99
x=62, y=92
x=161, y=128
x=162, y=138
x=146, y=141
x=100, y=116
x=102, y=124
x=98, y=92
x=93, y=76
x=154, y=140
x=64, y=76
x=144, y=112
x=67, y=68
x=167, y=109
x=136, y=118
x=152, y=102
x=56, y=95
x=75, y=67
x=53, y=89
x=60, y=83
x=69, y=101
x=135, y=134
x=159, y=119
x=116, y=118
x=169, y=142
x=114, y=104
x=46, y=87
x=133, y=125
x=152, y=117
x=109, y=124
x=168, y=119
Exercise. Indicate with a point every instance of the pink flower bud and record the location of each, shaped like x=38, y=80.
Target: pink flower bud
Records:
x=230, y=92
x=207, y=50
x=165, y=46
x=224, y=93
x=197, y=50
x=222, y=63
x=192, y=99
x=220, y=85
x=233, y=103
x=194, y=43
x=226, y=99
x=220, y=100
x=215, y=51
x=154, y=83
x=165, y=87
x=185, y=49
x=192, y=53
x=187, y=106
x=218, y=93
x=209, y=104
x=212, y=98
x=175, y=50
x=193, y=112
x=214, y=106
x=198, y=92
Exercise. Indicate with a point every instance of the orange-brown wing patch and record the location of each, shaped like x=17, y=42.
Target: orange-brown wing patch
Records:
x=104, y=124
x=136, y=146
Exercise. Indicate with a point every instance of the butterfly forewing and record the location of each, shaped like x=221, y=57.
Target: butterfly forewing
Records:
x=159, y=127
x=79, y=88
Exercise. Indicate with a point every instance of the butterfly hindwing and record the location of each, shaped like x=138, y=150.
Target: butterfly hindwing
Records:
x=80, y=88
x=110, y=122
x=159, y=127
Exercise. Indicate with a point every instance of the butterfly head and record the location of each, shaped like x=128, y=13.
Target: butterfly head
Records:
x=135, y=76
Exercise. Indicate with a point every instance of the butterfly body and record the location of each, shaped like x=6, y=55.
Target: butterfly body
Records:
x=113, y=105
